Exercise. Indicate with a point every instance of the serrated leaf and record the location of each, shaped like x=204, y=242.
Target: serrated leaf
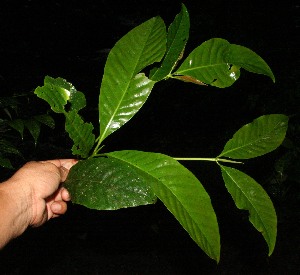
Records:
x=108, y=184
x=257, y=138
x=182, y=193
x=217, y=62
x=178, y=35
x=139, y=48
x=249, y=195
x=81, y=133
x=56, y=91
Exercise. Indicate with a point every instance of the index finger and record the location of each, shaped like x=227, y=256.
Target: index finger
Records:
x=66, y=163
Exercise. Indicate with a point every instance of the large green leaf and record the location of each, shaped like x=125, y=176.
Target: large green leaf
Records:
x=217, y=62
x=182, y=193
x=257, y=138
x=178, y=35
x=58, y=92
x=122, y=94
x=249, y=195
x=108, y=184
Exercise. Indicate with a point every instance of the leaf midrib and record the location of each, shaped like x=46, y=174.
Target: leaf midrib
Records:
x=132, y=75
x=137, y=167
x=253, y=207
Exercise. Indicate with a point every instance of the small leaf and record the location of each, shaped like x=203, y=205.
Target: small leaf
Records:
x=7, y=148
x=81, y=133
x=17, y=124
x=255, y=139
x=56, y=92
x=178, y=35
x=5, y=163
x=34, y=128
x=109, y=184
x=139, y=48
x=249, y=195
x=46, y=120
x=182, y=194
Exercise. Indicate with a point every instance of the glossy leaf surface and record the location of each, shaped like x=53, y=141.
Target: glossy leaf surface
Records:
x=107, y=183
x=182, y=194
x=122, y=93
x=178, y=34
x=217, y=62
x=249, y=195
x=257, y=138
x=249, y=60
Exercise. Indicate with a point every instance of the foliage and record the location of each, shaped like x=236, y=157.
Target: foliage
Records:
x=109, y=181
x=13, y=118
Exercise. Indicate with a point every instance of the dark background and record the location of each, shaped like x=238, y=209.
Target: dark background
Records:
x=71, y=40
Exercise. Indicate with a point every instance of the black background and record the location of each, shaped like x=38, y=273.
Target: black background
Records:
x=71, y=39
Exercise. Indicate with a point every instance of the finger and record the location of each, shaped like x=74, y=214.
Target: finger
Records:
x=67, y=163
x=58, y=207
x=63, y=173
x=65, y=195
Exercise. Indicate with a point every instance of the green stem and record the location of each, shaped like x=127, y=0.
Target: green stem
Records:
x=210, y=159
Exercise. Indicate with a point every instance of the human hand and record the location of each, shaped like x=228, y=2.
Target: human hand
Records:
x=40, y=185
x=32, y=196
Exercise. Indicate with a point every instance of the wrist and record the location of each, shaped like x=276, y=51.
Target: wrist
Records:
x=15, y=208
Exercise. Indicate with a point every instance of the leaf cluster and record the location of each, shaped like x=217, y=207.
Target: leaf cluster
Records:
x=109, y=181
x=13, y=118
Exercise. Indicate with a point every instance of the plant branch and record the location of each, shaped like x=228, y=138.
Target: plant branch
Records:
x=210, y=159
